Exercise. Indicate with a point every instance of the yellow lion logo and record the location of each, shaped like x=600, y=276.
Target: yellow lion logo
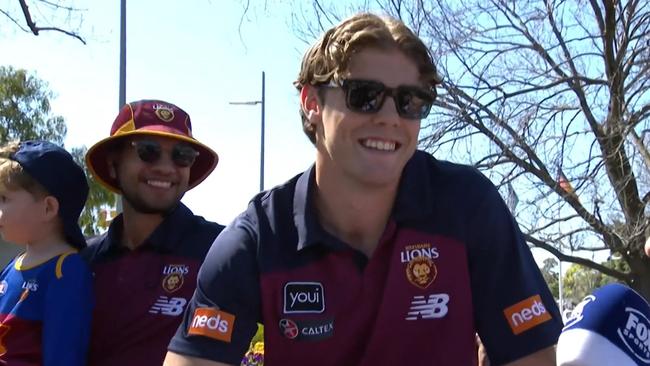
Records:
x=421, y=271
x=172, y=282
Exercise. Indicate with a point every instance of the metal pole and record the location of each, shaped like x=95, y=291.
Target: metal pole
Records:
x=262, y=102
x=262, y=132
x=560, y=290
x=122, y=97
x=122, y=92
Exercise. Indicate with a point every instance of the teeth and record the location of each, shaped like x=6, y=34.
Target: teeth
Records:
x=379, y=145
x=159, y=183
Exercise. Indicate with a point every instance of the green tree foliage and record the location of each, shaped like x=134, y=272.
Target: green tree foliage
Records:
x=550, y=271
x=25, y=114
x=579, y=281
x=100, y=201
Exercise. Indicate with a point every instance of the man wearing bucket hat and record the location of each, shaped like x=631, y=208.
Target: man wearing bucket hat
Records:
x=145, y=265
x=45, y=292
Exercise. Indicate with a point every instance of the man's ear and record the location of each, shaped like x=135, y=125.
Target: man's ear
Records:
x=110, y=162
x=51, y=207
x=310, y=102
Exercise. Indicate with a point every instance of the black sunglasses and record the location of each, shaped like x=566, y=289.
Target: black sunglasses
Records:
x=367, y=96
x=150, y=151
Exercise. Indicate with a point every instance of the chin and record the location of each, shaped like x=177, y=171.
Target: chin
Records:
x=150, y=206
x=379, y=179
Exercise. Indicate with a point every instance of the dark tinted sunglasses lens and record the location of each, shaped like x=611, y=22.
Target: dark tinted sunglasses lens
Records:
x=184, y=155
x=413, y=103
x=148, y=151
x=365, y=97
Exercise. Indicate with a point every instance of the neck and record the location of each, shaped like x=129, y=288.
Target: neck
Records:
x=138, y=226
x=354, y=213
x=41, y=250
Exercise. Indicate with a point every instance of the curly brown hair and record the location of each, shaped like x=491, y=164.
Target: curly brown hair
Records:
x=327, y=59
x=13, y=176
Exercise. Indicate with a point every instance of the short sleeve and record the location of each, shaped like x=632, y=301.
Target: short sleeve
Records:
x=68, y=313
x=514, y=311
x=223, y=313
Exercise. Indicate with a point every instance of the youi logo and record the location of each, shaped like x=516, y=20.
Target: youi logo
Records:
x=304, y=297
x=636, y=334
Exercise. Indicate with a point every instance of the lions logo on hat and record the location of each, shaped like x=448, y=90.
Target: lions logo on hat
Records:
x=165, y=113
x=421, y=271
x=146, y=118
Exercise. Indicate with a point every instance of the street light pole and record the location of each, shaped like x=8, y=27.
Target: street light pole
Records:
x=262, y=103
x=262, y=137
x=122, y=94
x=122, y=83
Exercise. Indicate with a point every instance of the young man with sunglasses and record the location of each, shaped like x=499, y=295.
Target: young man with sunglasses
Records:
x=379, y=254
x=145, y=266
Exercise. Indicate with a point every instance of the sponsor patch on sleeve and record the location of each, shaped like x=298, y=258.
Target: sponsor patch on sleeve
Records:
x=212, y=323
x=526, y=314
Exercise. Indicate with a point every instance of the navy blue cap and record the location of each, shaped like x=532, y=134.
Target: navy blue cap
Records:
x=55, y=169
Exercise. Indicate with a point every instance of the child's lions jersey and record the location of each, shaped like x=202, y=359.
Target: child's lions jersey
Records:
x=45, y=312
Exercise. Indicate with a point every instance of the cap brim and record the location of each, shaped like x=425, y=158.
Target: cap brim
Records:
x=97, y=162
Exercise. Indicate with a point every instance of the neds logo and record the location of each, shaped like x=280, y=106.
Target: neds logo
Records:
x=304, y=297
x=526, y=314
x=213, y=323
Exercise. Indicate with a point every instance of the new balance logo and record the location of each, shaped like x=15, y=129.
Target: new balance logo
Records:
x=433, y=307
x=172, y=306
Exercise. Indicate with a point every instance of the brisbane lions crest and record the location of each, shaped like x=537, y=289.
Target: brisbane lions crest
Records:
x=421, y=271
x=172, y=282
x=163, y=112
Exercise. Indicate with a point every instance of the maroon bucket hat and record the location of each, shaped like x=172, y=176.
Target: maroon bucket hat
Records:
x=150, y=117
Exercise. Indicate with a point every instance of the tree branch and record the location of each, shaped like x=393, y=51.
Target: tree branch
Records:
x=577, y=260
x=32, y=26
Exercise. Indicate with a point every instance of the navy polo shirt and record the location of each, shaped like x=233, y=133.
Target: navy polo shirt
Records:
x=141, y=294
x=450, y=263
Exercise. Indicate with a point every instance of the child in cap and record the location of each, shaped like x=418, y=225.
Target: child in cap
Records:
x=45, y=292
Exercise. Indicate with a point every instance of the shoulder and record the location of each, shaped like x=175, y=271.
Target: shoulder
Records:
x=426, y=167
x=447, y=181
x=456, y=174
x=203, y=227
x=267, y=213
x=8, y=270
x=282, y=192
x=70, y=265
x=278, y=200
x=191, y=225
x=93, y=244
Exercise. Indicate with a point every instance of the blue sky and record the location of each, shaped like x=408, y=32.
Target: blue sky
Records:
x=197, y=57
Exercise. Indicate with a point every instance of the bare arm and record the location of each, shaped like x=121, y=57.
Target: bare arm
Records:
x=174, y=359
x=545, y=357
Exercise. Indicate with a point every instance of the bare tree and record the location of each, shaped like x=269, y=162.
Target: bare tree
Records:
x=551, y=97
x=51, y=12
